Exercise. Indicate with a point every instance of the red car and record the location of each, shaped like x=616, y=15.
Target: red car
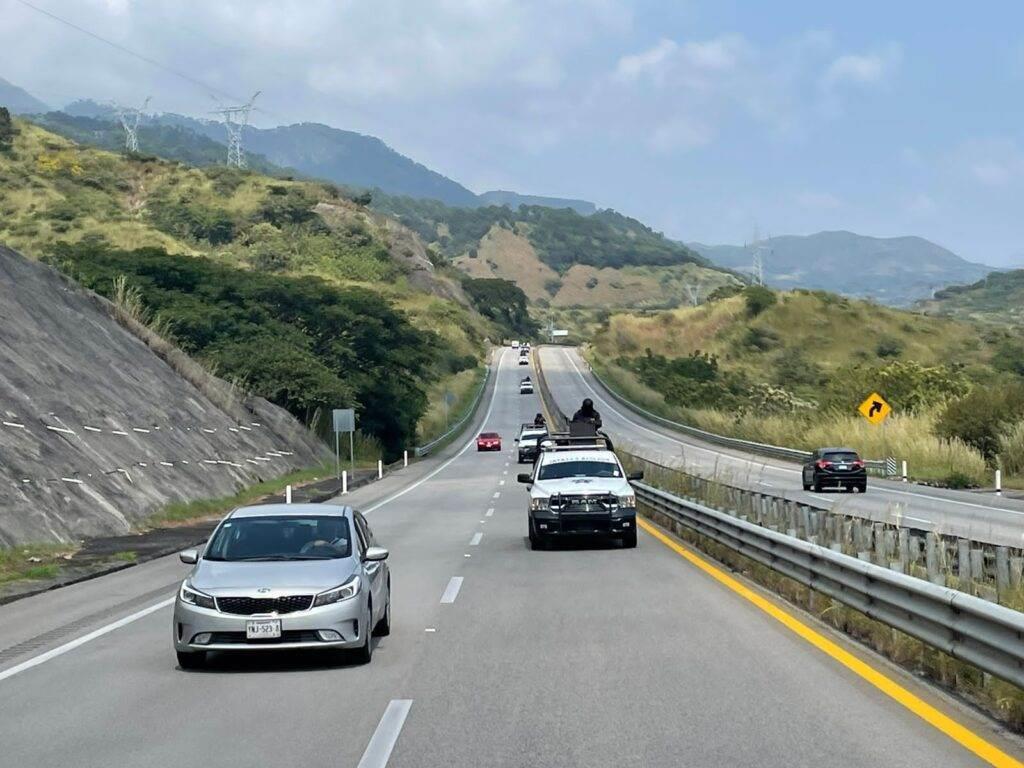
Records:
x=488, y=441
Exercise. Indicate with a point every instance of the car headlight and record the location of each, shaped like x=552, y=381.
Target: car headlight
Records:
x=540, y=504
x=628, y=501
x=191, y=596
x=347, y=590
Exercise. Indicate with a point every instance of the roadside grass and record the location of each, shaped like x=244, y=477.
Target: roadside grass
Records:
x=906, y=437
x=464, y=385
x=33, y=561
x=184, y=512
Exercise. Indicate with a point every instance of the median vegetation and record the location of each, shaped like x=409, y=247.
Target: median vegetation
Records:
x=791, y=368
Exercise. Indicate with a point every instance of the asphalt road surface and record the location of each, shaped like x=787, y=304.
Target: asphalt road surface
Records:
x=499, y=656
x=981, y=517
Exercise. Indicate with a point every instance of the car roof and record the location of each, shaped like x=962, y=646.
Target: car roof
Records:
x=296, y=510
x=836, y=450
x=558, y=457
x=489, y=434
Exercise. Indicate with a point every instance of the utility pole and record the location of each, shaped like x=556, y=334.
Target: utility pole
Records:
x=235, y=120
x=129, y=118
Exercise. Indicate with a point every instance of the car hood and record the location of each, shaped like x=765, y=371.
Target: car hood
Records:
x=583, y=486
x=295, y=577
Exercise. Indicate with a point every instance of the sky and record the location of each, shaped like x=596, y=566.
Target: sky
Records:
x=710, y=120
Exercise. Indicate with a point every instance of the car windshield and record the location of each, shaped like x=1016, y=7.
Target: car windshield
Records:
x=581, y=468
x=488, y=435
x=285, y=537
x=843, y=457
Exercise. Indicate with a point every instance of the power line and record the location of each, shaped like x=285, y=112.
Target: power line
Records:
x=141, y=57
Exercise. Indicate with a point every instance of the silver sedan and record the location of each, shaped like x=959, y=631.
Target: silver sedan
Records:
x=282, y=576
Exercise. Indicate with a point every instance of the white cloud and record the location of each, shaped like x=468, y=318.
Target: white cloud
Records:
x=992, y=162
x=653, y=62
x=862, y=68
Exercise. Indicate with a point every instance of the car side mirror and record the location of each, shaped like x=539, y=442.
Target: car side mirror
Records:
x=516, y=439
x=524, y=478
x=375, y=554
x=189, y=556
x=635, y=476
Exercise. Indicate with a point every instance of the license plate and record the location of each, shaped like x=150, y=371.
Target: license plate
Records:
x=842, y=467
x=263, y=629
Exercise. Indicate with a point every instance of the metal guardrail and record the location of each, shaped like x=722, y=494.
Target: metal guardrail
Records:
x=988, y=636
x=775, y=451
x=424, y=450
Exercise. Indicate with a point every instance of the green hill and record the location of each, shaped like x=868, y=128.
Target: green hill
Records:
x=998, y=298
x=790, y=368
x=371, y=302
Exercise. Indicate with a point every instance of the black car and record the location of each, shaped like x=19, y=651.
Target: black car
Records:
x=839, y=468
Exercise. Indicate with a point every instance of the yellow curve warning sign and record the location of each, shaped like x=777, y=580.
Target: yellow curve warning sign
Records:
x=875, y=409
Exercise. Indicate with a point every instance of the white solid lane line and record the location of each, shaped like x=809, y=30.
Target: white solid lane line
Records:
x=383, y=741
x=476, y=539
x=452, y=590
x=497, y=494
x=490, y=512
x=71, y=645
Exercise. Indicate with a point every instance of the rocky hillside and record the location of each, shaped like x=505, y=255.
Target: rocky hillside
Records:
x=998, y=298
x=892, y=270
x=101, y=426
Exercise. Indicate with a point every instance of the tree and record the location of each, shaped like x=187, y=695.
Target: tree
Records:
x=7, y=130
x=503, y=302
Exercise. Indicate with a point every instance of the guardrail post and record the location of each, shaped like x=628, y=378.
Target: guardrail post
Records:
x=1002, y=571
x=344, y=481
x=999, y=482
x=380, y=469
x=931, y=558
x=903, y=543
x=287, y=494
x=978, y=564
x=405, y=458
x=904, y=470
x=963, y=563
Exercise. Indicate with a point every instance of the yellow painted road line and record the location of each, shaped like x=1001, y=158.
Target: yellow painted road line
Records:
x=954, y=730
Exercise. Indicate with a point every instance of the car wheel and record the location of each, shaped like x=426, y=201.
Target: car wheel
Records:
x=383, y=628
x=817, y=486
x=629, y=539
x=807, y=486
x=364, y=654
x=191, y=659
x=862, y=488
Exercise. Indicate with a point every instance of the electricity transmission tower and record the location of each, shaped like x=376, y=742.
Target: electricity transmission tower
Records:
x=235, y=119
x=129, y=118
x=693, y=290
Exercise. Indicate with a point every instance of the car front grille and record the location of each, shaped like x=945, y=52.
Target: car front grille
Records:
x=247, y=606
x=287, y=636
x=568, y=504
x=586, y=525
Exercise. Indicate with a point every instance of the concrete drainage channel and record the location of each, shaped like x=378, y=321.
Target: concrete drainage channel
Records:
x=94, y=559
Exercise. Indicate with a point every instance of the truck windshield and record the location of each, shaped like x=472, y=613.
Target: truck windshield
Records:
x=582, y=468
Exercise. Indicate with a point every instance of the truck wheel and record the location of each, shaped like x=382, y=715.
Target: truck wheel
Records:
x=536, y=542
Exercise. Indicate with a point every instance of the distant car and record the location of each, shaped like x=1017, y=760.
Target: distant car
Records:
x=524, y=360
x=286, y=576
x=526, y=387
x=488, y=441
x=839, y=468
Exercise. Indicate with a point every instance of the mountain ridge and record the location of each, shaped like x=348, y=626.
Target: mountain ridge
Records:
x=893, y=270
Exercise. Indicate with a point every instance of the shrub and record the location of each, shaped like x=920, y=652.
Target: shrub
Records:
x=761, y=339
x=981, y=417
x=1011, y=449
x=552, y=286
x=889, y=347
x=758, y=299
x=7, y=130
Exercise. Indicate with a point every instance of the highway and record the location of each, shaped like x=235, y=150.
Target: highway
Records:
x=499, y=656
x=986, y=518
